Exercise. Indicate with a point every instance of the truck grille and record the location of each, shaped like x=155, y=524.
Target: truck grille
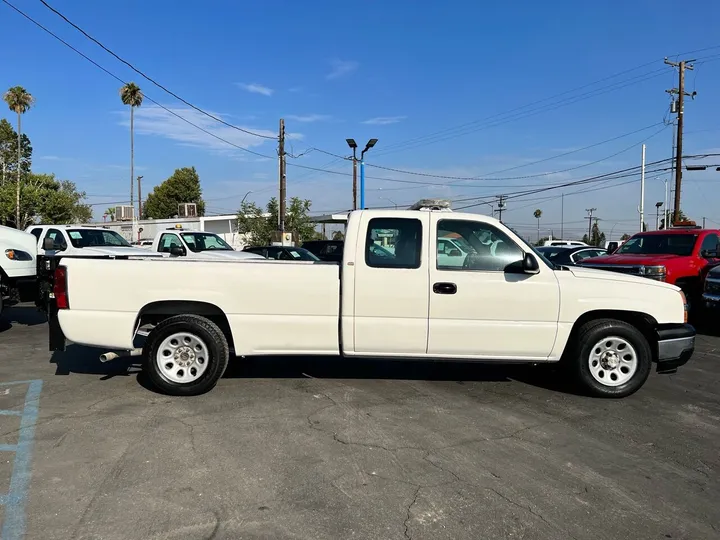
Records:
x=633, y=270
x=712, y=286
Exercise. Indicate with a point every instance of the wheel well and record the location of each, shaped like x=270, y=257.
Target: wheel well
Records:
x=642, y=321
x=156, y=312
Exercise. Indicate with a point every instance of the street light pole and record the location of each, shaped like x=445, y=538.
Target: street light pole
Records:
x=657, y=214
x=352, y=144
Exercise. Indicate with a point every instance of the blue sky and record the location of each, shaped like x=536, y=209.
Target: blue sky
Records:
x=398, y=71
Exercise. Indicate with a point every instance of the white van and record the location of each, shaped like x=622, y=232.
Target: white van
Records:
x=566, y=243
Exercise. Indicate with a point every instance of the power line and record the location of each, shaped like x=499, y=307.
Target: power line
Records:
x=164, y=88
x=93, y=62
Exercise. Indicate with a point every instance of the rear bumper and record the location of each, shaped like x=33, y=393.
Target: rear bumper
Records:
x=676, y=344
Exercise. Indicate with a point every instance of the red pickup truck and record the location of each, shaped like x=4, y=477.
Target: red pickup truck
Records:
x=681, y=256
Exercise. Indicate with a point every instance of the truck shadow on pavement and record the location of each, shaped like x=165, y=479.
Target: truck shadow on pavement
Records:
x=22, y=315
x=84, y=360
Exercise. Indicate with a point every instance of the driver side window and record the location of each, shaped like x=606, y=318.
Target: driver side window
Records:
x=485, y=247
x=169, y=241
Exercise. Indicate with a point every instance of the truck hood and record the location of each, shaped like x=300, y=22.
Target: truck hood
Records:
x=105, y=251
x=13, y=239
x=629, y=259
x=224, y=255
x=592, y=273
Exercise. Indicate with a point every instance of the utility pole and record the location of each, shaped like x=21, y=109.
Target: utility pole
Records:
x=589, y=217
x=679, y=106
x=641, y=208
x=281, y=156
x=139, y=178
x=562, y=216
x=501, y=206
x=703, y=222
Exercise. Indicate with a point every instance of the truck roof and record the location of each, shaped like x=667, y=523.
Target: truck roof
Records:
x=679, y=230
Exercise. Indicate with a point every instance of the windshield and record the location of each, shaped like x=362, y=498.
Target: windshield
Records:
x=659, y=244
x=81, y=238
x=551, y=252
x=199, y=241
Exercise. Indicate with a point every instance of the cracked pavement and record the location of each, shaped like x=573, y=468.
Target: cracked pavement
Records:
x=330, y=448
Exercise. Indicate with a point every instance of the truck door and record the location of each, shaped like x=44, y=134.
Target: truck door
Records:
x=483, y=306
x=391, y=286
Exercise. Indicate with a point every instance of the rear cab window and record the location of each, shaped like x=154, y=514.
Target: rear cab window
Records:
x=393, y=243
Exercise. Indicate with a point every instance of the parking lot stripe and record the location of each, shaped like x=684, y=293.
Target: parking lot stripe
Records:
x=8, y=447
x=14, y=524
x=5, y=412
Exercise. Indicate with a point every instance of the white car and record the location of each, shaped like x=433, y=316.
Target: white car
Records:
x=18, y=253
x=507, y=303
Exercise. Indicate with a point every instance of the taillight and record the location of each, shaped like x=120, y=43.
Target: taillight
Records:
x=60, y=288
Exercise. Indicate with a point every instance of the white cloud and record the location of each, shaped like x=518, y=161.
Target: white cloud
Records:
x=255, y=88
x=341, y=68
x=156, y=121
x=384, y=120
x=295, y=89
x=308, y=117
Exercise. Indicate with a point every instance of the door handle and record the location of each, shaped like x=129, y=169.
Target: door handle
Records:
x=444, y=288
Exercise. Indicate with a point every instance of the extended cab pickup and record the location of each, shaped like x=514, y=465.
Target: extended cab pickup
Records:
x=507, y=304
x=680, y=256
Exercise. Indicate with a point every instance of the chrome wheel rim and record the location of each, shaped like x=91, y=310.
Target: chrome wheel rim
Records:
x=613, y=361
x=182, y=358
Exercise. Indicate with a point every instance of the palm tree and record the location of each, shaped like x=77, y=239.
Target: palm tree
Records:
x=19, y=100
x=130, y=94
x=111, y=212
x=538, y=214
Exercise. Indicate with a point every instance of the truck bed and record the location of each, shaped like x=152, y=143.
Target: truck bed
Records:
x=277, y=306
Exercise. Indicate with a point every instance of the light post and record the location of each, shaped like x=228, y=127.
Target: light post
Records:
x=390, y=201
x=245, y=197
x=353, y=145
x=657, y=215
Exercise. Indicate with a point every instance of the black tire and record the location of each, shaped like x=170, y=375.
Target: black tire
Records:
x=202, y=328
x=579, y=352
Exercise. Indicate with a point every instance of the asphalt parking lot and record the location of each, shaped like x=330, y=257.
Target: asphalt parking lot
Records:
x=301, y=449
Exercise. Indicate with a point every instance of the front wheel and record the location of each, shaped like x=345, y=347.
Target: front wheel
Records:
x=185, y=355
x=610, y=358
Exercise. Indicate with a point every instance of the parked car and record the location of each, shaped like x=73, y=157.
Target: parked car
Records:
x=550, y=251
x=283, y=253
x=571, y=256
x=82, y=240
x=681, y=256
x=325, y=250
x=711, y=289
x=507, y=304
x=18, y=253
x=179, y=242
x=567, y=243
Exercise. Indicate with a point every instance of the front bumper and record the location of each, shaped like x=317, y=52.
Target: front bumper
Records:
x=676, y=344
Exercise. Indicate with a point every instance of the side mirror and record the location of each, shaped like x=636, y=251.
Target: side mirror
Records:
x=709, y=253
x=177, y=251
x=454, y=253
x=48, y=244
x=530, y=264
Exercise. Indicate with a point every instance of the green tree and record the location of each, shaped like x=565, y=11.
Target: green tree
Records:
x=8, y=151
x=537, y=214
x=258, y=225
x=111, y=212
x=338, y=235
x=45, y=199
x=131, y=95
x=19, y=101
x=182, y=187
x=625, y=236
x=541, y=241
x=597, y=238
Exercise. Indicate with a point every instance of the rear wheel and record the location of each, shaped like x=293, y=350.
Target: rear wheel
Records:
x=610, y=358
x=186, y=355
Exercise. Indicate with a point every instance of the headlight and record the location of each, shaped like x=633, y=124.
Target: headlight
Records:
x=685, y=306
x=653, y=272
x=17, y=255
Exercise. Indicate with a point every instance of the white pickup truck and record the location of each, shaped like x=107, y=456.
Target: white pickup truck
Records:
x=505, y=305
x=179, y=242
x=18, y=260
